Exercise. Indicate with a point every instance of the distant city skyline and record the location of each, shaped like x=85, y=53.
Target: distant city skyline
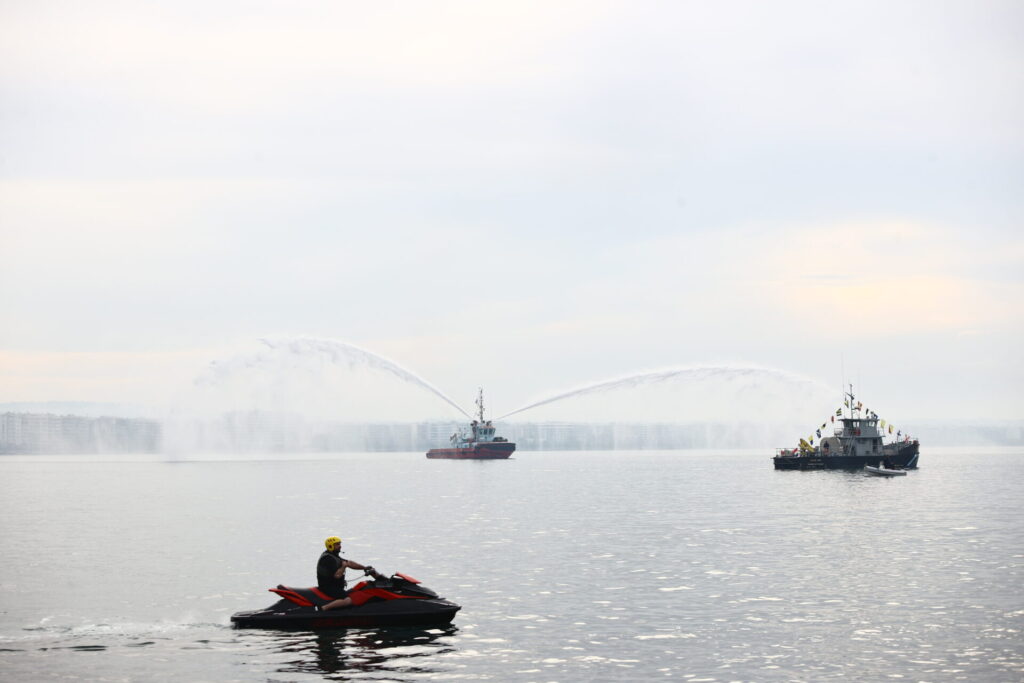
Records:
x=528, y=197
x=25, y=433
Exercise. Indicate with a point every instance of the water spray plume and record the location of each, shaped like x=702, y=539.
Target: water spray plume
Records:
x=335, y=352
x=689, y=373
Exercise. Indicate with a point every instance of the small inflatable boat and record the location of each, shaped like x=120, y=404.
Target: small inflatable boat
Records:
x=883, y=471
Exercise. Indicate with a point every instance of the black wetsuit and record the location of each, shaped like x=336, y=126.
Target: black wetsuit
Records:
x=328, y=564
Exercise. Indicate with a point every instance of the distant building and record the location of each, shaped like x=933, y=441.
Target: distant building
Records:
x=44, y=433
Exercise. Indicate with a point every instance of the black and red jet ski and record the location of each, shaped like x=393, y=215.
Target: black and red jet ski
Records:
x=396, y=601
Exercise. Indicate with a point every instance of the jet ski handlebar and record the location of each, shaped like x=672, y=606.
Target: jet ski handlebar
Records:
x=384, y=581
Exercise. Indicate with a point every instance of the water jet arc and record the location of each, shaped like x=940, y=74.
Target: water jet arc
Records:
x=334, y=351
x=692, y=373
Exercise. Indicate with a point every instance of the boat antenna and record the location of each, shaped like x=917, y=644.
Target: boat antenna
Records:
x=842, y=386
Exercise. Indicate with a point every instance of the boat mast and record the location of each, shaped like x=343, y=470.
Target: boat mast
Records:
x=842, y=383
x=480, y=404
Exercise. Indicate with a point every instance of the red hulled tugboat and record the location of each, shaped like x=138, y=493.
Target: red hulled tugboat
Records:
x=478, y=443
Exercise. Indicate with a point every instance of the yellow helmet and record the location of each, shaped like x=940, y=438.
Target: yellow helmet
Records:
x=331, y=541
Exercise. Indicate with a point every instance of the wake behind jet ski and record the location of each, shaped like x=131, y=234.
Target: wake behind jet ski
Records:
x=396, y=601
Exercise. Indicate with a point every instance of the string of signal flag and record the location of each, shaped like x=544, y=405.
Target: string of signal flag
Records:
x=859, y=407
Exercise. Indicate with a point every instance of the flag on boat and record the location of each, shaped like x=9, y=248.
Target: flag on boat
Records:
x=823, y=425
x=846, y=403
x=818, y=432
x=833, y=418
x=890, y=430
x=883, y=424
x=839, y=412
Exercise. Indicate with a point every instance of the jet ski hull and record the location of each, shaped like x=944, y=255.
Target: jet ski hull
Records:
x=286, y=615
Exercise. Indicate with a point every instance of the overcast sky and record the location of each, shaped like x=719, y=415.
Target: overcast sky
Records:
x=523, y=196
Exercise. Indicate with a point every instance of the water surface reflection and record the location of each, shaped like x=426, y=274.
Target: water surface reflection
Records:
x=345, y=654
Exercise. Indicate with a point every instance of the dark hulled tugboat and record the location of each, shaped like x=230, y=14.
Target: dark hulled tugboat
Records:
x=478, y=443
x=857, y=441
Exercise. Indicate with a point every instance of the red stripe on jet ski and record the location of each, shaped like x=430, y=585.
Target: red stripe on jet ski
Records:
x=382, y=594
x=293, y=596
x=320, y=594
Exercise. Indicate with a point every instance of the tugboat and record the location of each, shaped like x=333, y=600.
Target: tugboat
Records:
x=856, y=443
x=479, y=443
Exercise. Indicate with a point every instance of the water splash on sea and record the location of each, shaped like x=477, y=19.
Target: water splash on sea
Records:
x=305, y=354
x=745, y=378
x=310, y=394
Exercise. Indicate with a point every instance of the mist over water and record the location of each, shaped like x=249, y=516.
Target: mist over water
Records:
x=303, y=394
x=295, y=394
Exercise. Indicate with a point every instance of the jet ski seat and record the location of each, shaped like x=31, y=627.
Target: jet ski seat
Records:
x=307, y=597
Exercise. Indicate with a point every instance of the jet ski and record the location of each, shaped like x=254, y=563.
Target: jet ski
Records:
x=399, y=600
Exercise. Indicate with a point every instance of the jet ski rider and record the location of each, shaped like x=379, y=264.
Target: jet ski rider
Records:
x=330, y=575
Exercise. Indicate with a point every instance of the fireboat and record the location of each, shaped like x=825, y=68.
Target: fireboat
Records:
x=857, y=442
x=476, y=443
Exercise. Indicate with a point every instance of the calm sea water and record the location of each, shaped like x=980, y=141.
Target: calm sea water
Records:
x=569, y=566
